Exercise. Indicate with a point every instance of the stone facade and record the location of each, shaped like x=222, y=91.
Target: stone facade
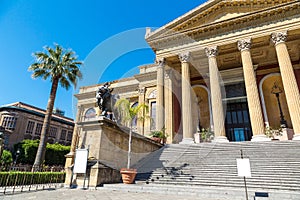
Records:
x=22, y=121
x=217, y=68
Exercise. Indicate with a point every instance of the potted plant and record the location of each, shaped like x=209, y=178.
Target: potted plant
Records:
x=158, y=136
x=128, y=114
x=273, y=132
x=206, y=135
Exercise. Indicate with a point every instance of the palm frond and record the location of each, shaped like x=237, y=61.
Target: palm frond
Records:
x=57, y=63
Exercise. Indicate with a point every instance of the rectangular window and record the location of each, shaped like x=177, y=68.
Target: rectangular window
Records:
x=153, y=115
x=69, y=137
x=30, y=127
x=53, y=132
x=9, y=122
x=38, y=129
x=63, y=134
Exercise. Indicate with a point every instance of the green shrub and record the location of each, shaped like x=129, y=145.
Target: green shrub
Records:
x=55, y=153
x=6, y=160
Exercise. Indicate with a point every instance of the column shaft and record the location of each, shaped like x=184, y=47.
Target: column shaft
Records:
x=255, y=112
x=216, y=96
x=289, y=81
x=186, y=102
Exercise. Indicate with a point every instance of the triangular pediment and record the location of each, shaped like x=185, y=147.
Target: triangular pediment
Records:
x=213, y=12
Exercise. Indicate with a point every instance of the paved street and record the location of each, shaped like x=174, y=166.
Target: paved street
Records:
x=100, y=194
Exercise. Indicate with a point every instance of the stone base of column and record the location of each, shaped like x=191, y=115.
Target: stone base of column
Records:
x=260, y=138
x=187, y=141
x=296, y=137
x=220, y=139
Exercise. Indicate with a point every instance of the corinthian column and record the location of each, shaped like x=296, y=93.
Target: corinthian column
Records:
x=186, y=99
x=160, y=94
x=256, y=117
x=289, y=80
x=216, y=98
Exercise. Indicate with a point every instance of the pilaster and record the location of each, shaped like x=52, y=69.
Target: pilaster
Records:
x=140, y=123
x=169, y=112
x=160, y=94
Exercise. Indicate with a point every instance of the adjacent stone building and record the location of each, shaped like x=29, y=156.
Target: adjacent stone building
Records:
x=229, y=66
x=23, y=121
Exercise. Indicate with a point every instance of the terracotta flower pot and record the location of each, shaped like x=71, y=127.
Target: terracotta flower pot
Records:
x=128, y=175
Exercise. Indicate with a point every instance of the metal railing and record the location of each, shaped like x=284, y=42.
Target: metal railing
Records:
x=18, y=181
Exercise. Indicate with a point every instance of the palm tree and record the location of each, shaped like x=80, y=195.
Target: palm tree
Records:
x=62, y=67
x=128, y=113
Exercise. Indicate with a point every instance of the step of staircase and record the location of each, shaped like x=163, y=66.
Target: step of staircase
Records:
x=274, y=165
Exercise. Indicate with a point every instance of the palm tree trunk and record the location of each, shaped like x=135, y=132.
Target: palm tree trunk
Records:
x=129, y=146
x=40, y=155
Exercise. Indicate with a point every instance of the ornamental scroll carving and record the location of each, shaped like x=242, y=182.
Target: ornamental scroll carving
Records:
x=185, y=57
x=160, y=62
x=244, y=44
x=279, y=37
x=211, y=51
x=141, y=90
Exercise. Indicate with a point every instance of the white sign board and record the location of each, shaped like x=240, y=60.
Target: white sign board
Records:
x=80, y=161
x=243, y=167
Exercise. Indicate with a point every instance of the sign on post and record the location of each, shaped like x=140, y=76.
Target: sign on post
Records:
x=80, y=161
x=243, y=167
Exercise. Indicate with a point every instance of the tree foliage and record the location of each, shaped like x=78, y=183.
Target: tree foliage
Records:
x=6, y=160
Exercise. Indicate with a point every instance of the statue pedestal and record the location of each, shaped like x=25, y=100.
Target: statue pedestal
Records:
x=108, y=146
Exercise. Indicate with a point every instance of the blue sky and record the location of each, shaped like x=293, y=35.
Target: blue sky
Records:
x=98, y=31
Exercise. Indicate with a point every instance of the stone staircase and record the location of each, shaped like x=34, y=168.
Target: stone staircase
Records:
x=275, y=166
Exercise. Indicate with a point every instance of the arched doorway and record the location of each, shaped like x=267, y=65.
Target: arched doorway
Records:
x=272, y=105
x=201, y=111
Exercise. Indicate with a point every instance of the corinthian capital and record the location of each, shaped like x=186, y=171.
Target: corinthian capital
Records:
x=279, y=37
x=185, y=57
x=244, y=44
x=160, y=61
x=211, y=51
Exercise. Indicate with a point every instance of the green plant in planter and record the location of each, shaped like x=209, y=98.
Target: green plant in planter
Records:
x=273, y=132
x=160, y=135
x=206, y=135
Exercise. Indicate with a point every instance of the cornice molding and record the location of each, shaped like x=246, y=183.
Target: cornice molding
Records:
x=254, y=19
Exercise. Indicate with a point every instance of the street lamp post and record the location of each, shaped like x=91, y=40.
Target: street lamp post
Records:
x=277, y=91
x=17, y=155
x=1, y=141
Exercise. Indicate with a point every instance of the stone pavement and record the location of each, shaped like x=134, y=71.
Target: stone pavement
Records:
x=101, y=194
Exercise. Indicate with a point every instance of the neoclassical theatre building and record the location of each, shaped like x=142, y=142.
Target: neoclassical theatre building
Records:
x=231, y=66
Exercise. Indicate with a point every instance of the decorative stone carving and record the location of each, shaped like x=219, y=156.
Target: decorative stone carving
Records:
x=211, y=51
x=141, y=90
x=185, y=57
x=153, y=94
x=279, y=37
x=161, y=62
x=168, y=74
x=244, y=44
